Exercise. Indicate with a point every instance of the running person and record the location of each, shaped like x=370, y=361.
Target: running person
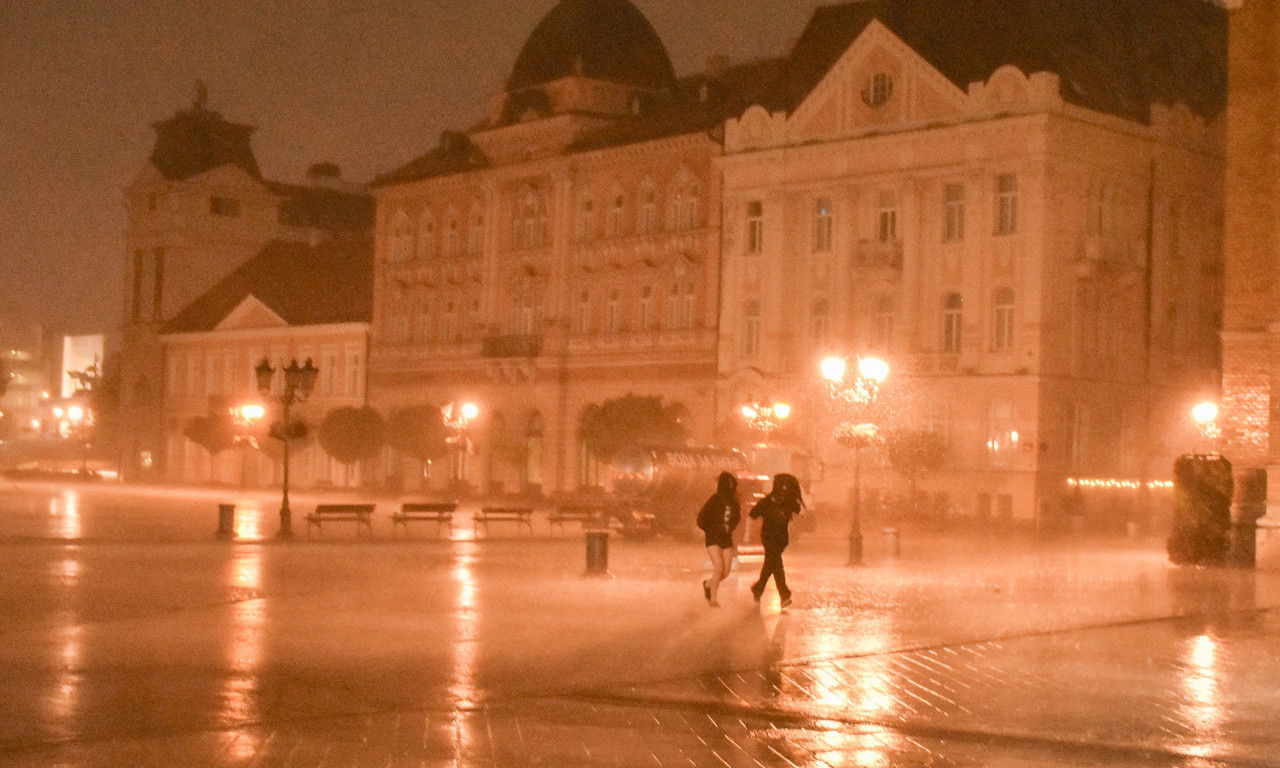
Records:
x=718, y=519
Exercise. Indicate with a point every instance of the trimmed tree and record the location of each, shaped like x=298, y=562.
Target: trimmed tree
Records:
x=351, y=434
x=915, y=452
x=214, y=433
x=631, y=420
x=418, y=432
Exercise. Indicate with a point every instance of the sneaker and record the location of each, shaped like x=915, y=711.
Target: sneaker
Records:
x=706, y=591
x=786, y=603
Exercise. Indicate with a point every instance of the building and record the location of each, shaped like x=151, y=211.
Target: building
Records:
x=563, y=252
x=293, y=301
x=199, y=209
x=1015, y=204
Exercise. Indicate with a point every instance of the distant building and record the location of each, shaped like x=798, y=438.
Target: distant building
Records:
x=293, y=301
x=562, y=253
x=25, y=352
x=199, y=209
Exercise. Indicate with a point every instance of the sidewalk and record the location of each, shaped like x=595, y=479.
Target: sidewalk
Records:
x=124, y=648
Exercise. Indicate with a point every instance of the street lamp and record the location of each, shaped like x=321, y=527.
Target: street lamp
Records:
x=299, y=381
x=858, y=396
x=458, y=418
x=765, y=417
x=1205, y=415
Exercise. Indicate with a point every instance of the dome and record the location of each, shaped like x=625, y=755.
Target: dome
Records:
x=602, y=39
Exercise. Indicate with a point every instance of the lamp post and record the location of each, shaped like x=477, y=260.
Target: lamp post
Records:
x=856, y=398
x=458, y=418
x=299, y=381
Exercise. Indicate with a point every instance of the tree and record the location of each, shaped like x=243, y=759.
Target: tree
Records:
x=351, y=434
x=214, y=433
x=630, y=420
x=418, y=432
x=914, y=452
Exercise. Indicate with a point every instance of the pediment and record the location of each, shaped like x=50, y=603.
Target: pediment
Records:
x=250, y=314
x=878, y=83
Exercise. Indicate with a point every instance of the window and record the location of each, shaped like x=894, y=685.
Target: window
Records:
x=615, y=217
x=820, y=325
x=613, y=312
x=882, y=323
x=878, y=91
x=1002, y=439
x=755, y=226
x=531, y=221
x=582, y=313
x=887, y=218
x=224, y=206
x=475, y=239
x=951, y=323
x=401, y=246
x=426, y=235
x=680, y=305
x=330, y=373
x=822, y=225
x=685, y=209
x=451, y=237
x=648, y=212
x=586, y=221
x=139, y=263
x=1002, y=321
x=953, y=226
x=1007, y=204
x=644, y=309
x=751, y=329
x=449, y=322
x=213, y=374
x=157, y=287
x=354, y=372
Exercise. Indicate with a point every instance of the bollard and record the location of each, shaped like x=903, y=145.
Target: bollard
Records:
x=597, y=553
x=891, y=543
x=226, y=521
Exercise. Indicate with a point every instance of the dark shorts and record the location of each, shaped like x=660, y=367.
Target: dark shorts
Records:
x=721, y=540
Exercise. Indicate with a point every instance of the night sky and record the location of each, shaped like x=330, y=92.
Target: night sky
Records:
x=366, y=85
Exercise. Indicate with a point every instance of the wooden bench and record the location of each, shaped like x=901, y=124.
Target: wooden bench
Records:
x=361, y=514
x=439, y=512
x=587, y=514
x=518, y=515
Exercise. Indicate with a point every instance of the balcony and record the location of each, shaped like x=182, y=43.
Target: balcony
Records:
x=879, y=253
x=511, y=346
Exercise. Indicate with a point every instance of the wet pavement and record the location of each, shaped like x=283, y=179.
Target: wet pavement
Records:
x=131, y=637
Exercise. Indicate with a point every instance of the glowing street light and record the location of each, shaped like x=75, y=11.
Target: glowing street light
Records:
x=765, y=417
x=860, y=396
x=245, y=417
x=1205, y=415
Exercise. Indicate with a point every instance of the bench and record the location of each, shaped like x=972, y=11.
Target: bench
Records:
x=439, y=512
x=587, y=514
x=359, y=513
x=518, y=515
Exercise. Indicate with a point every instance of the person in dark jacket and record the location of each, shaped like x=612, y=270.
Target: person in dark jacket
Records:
x=775, y=512
x=718, y=519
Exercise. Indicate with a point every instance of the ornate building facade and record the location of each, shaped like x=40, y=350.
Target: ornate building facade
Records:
x=1033, y=245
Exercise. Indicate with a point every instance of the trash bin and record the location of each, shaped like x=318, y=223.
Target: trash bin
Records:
x=891, y=542
x=226, y=521
x=597, y=553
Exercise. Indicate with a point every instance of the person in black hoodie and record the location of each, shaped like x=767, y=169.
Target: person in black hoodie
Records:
x=775, y=512
x=718, y=519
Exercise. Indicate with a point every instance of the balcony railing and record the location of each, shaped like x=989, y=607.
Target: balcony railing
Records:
x=879, y=253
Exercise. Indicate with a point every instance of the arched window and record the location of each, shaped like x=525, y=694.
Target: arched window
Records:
x=952, y=322
x=822, y=225
x=648, y=222
x=531, y=220
x=616, y=216
x=1002, y=320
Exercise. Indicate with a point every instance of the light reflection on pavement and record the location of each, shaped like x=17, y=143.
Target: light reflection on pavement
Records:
x=133, y=637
